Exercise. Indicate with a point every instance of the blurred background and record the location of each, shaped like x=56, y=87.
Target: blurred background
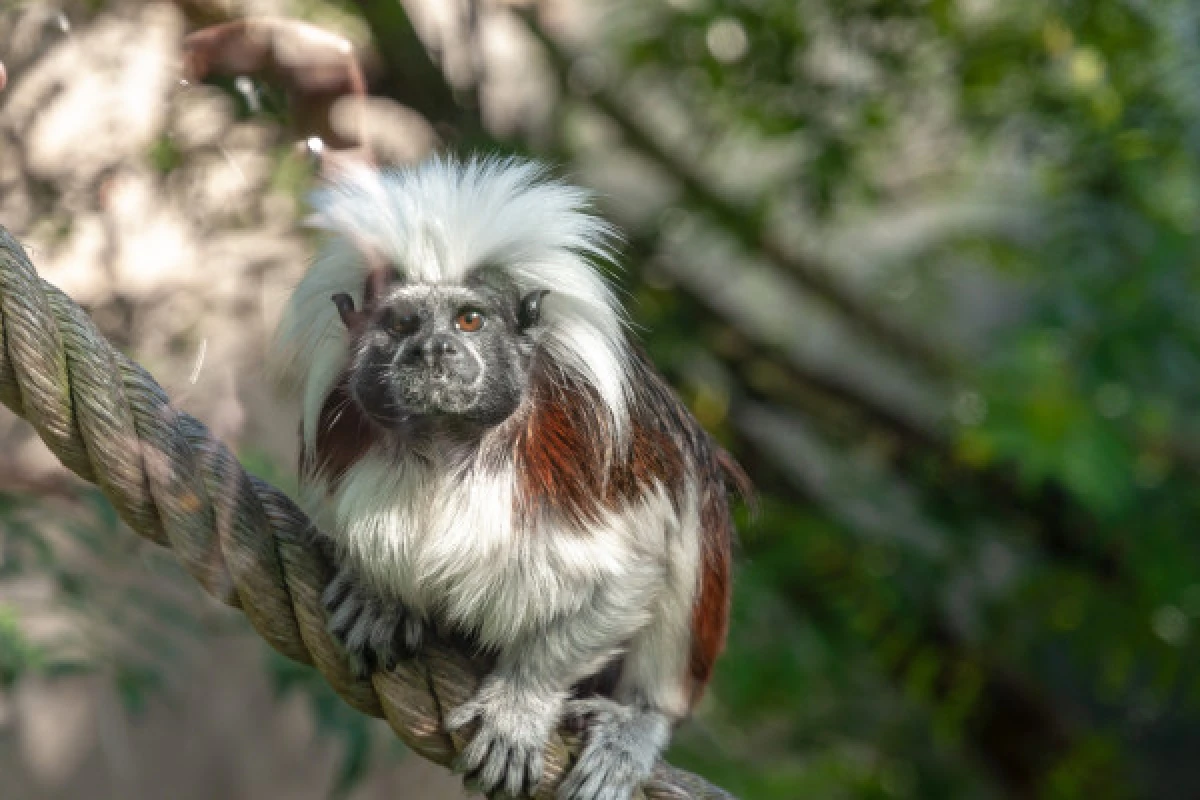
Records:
x=928, y=267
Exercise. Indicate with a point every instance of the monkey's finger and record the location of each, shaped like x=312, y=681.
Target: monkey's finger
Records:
x=406, y=637
x=472, y=776
x=414, y=633
x=341, y=628
x=533, y=771
x=514, y=778
x=514, y=770
x=591, y=785
x=475, y=754
x=335, y=593
x=344, y=617
x=596, y=770
x=461, y=717
x=359, y=634
x=491, y=772
x=380, y=640
x=566, y=789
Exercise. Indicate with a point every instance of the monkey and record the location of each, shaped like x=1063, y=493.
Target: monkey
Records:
x=496, y=458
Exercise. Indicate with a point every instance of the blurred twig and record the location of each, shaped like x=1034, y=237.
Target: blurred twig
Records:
x=316, y=68
x=410, y=75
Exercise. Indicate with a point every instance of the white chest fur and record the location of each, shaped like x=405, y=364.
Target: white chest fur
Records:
x=442, y=540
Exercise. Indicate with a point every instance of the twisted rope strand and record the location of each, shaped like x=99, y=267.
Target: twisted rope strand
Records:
x=242, y=539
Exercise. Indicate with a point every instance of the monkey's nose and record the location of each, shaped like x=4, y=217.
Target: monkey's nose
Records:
x=440, y=348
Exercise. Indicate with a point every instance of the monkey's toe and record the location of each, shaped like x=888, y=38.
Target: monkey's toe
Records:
x=397, y=636
x=603, y=773
x=407, y=636
x=496, y=763
x=620, y=748
x=343, y=605
x=505, y=754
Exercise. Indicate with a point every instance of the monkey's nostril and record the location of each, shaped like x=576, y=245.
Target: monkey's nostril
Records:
x=442, y=347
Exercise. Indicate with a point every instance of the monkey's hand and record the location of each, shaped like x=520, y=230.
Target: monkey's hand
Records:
x=621, y=746
x=514, y=725
x=375, y=631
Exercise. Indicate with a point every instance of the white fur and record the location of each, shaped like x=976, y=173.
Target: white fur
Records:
x=436, y=223
x=659, y=654
x=443, y=540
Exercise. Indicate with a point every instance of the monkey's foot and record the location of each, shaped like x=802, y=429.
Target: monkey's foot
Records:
x=505, y=754
x=621, y=745
x=374, y=631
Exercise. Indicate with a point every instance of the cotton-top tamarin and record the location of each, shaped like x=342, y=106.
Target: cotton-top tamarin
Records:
x=496, y=459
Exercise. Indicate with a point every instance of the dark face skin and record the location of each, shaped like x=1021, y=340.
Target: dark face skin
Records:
x=430, y=357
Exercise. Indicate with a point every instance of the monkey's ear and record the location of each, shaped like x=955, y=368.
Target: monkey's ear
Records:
x=530, y=310
x=352, y=319
x=379, y=280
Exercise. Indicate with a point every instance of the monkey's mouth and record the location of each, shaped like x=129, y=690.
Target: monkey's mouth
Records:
x=433, y=393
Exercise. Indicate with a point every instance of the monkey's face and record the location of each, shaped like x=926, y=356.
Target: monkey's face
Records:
x=429, y=354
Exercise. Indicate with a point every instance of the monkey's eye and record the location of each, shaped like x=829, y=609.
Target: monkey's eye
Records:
x=399, y=324
x=469, y=320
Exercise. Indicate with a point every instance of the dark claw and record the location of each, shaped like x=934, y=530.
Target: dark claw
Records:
x=370, y=660
x=401, y=647
x=471, y=779
x=362, y=670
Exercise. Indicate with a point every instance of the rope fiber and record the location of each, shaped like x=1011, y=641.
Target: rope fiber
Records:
x=242, y=539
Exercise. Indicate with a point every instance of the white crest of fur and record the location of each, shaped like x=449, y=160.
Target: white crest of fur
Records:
x=436, y=223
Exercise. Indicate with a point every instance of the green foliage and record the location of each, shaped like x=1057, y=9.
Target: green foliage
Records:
x=81, y=550
x=17, y=655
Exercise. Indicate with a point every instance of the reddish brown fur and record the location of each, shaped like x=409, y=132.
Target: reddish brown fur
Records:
x=710, y=611
x=558, y=466
x=343, y=437
x=563, y=464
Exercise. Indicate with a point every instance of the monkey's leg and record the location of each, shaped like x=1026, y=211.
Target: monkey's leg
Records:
x=521, y=701
x=621, y=746
x=373, y=630
x=626, y=735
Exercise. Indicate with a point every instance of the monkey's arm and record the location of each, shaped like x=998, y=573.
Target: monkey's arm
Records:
x=374, y=630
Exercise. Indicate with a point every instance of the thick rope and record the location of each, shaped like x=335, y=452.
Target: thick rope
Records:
x=243, y=540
